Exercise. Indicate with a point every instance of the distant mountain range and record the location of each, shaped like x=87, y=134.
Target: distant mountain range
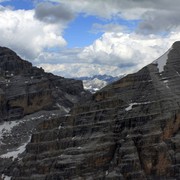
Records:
x=97, y=82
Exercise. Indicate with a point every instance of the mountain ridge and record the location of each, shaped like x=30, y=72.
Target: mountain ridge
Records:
x=35, y=89
x=27, y=96
x=127, y=130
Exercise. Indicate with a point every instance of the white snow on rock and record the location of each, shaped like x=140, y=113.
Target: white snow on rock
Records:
x=132, y=104
x=166, y=83
x=63, y=108
x=94, y=85
x=14, y=154
x=161, y=61
x=6, y=127
x=4, y=177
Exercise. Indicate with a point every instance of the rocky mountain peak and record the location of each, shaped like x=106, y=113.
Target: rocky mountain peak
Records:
x=176, y=45
x=26, y=89
x=11, y=63
x=28, y=95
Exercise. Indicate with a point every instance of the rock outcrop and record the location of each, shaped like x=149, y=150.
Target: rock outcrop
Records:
x=127, y=130
x=25, y=89
x=27, y=96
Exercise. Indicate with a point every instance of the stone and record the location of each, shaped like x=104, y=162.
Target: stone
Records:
x=127, y=130
x=27, y=95
x=25, y=89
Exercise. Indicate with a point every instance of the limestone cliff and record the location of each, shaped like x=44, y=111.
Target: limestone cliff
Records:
x=127, y=130
x=25, y=89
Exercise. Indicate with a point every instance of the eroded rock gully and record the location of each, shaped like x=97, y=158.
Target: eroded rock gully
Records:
x=127, y=130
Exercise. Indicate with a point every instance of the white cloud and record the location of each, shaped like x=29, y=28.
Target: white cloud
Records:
x=125, y=50
x=63, y=56
x=112, y=54
x=117, y=52
x=80, y=69
x=26, y=35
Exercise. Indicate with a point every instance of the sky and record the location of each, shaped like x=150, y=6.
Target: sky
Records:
x=75, y=38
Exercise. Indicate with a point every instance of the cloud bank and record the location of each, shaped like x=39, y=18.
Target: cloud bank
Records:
x=113, y=54
x=38, y=34
x=22, y=32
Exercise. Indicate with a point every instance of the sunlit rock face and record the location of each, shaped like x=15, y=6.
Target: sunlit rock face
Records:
x=127, y=130
x=25, y=89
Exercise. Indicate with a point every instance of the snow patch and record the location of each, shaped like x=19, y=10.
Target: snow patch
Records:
x=132, y=104
x=15, y=154
x=62, y=108
x=161, y=61
x=94, y=85
x=6, y=128
x=4, y=177
x=166, y=83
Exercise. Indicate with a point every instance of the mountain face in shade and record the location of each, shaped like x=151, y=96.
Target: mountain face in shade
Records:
x=127, y=130
x=25, y=89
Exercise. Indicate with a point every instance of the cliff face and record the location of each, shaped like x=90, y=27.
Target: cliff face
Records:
x=128, y=130
x=25, y=89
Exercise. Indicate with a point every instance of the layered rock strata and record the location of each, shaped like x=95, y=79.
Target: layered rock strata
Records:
x=127, y=130
x=25, y=89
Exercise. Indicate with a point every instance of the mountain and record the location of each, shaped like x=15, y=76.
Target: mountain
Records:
x=28, y=95
x=127, y=130
x=26, y=89
x=97, y=82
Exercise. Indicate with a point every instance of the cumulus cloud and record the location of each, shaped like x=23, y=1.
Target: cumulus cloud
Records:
x=26, y=35
x=127, y=50
x=35, y=33
x=53, y=13
x=113, y=54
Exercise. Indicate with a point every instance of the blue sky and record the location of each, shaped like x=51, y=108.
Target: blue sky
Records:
x=79, y=32
x=19, y=4
x=88, y=37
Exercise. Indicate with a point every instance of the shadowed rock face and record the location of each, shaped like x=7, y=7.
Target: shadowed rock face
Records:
x=128, y=130
x=25, y=89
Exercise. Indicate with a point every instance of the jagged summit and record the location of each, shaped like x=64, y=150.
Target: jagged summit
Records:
x=25, y=89
x=176, y=45
x=163, y=60
x=6, y=51
x=11, y=62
